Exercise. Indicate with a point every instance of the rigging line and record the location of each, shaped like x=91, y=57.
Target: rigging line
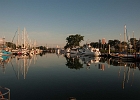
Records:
x=14, y=36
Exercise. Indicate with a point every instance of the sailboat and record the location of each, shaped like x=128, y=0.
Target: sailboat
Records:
x=23, y=50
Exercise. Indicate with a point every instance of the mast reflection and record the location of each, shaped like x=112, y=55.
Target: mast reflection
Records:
x=23, y=63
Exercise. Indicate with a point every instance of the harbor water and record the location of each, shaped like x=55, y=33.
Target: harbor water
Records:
x=61, y=77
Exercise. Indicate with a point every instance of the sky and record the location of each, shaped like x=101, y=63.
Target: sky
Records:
x=50, y=22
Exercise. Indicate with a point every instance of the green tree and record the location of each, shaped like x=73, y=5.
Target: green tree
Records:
x=11, y=45
x=94, y=44
x=73, y=41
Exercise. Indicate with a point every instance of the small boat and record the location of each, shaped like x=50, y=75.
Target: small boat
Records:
x=4, y=93
x=124, y=57
x=3, y=58
x=4, y=53
x=137, y=57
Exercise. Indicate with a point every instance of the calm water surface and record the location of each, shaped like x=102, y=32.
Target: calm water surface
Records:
x=55, y=77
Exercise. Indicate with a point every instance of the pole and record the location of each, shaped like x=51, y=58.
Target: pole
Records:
x=109, y=49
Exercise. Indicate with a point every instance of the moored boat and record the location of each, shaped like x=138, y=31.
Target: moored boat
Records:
x=4, y=53
x=88, y=50
x=124, y=57
x=137, y=57
x=4, y=93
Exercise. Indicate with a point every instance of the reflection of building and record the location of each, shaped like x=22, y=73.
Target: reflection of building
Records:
x=101, y=66
x=127, y=69
x=128, y=76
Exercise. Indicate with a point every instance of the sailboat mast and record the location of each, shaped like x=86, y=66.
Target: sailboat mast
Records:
x=24, y=37
x=17, y=39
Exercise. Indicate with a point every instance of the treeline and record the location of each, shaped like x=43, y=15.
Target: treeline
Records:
x=117, y=46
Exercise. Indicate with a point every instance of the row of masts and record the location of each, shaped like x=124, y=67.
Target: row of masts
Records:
x=26, y=42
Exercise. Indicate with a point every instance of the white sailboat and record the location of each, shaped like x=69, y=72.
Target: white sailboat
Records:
x=23, y=50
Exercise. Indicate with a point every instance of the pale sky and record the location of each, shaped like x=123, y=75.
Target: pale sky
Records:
x=51, y=21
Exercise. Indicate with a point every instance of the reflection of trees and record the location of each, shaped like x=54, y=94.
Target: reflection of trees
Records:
x=103, y=60
x=73, y=63
x=42, y=53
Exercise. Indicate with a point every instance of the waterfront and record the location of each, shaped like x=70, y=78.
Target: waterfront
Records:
x=51, y=76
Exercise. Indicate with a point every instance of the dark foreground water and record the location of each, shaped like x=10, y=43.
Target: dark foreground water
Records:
x=55, y=77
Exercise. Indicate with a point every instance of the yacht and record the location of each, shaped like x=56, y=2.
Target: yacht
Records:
x=88, y=50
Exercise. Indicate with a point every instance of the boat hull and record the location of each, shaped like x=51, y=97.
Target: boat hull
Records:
x=5, y=53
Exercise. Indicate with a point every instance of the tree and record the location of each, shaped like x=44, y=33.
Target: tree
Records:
x=11, y=45
x=94, y=44
x=133, y=42
x=73, y=41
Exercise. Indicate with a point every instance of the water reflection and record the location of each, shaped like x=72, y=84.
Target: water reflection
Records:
x=122, y=63
x=73, y=62
x=88, y=60
x=4, y=92
x=23, y=63
x=100, y=74
x=19, y=63
x=127, y=75
x=76, y=62
x=3, y=61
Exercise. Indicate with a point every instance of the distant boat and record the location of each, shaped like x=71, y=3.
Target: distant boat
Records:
x=4, y=57
x=137, y=57
x=71, y=50
x=124, y=57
